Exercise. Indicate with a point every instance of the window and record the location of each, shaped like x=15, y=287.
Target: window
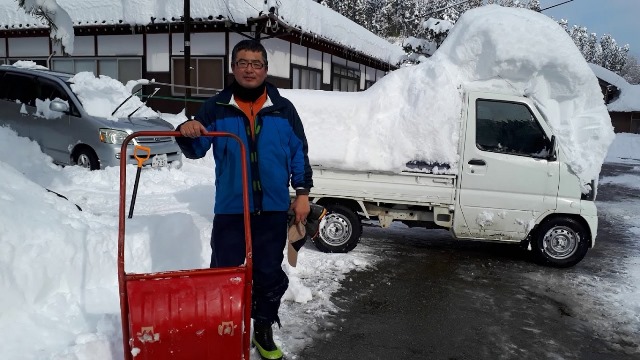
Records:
x=23, y=88
x=207, y=76
x=305, y=78
x=345, y=79
x=122, y=69
x=51, y=91
x=510, y=128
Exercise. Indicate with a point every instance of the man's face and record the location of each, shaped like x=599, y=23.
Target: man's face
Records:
x=249, y=76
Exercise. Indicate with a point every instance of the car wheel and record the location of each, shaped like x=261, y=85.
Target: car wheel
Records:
x=340, y=230
x=560, y=242
x=87, y=158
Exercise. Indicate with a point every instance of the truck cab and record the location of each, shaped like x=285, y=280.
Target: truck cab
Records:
x=514, y=180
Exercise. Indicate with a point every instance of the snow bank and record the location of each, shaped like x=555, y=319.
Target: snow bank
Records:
x=625, y=149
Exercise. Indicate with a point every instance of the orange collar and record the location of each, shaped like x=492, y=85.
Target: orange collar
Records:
x=251, y=108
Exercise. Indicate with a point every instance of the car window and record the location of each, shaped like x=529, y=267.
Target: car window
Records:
x=510, y=128
x=50, y=90
x=23, y=88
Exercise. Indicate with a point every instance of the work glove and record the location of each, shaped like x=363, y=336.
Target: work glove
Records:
x=306, y=229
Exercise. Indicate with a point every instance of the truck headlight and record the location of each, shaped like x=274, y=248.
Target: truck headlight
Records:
x=111, y=136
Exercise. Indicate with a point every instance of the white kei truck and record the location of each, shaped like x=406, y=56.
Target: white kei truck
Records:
x=512, y=184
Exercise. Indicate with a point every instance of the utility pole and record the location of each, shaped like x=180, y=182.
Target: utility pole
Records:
x=187, y=48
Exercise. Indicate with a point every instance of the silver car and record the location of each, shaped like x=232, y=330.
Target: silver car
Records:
x=74, y=137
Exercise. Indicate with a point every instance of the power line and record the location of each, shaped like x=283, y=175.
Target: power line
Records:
x=547, y=8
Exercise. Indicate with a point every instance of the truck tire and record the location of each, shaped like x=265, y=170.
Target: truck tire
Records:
x=560, y=242
x=86, y=158
x=340, y=230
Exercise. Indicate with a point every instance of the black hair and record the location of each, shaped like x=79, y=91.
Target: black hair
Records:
x=249, y=45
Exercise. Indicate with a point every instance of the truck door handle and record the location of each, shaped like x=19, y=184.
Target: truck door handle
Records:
x=477, y=162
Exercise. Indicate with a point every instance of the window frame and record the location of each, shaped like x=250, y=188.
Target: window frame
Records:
x=534, y=121
x=341, y=72
x=180, y=91
x=29, y=79
x=96, y=66
x=310, y=71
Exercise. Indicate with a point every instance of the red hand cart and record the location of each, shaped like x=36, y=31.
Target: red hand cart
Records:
x=185, y=314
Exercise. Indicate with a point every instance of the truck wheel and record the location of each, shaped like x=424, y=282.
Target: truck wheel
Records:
x=86, y=158
x=340, y=230
x=560, y=242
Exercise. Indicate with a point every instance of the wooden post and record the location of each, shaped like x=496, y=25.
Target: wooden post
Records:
x=187, y=48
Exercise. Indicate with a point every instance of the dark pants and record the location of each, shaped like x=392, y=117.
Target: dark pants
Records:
x=269, y=236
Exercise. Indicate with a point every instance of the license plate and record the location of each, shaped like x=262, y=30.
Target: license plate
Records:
x=159, y=161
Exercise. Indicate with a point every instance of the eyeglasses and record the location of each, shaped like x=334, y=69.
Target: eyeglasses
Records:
x=242, y=64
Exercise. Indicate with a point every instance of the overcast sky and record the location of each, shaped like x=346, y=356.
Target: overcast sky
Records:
x=616, y=17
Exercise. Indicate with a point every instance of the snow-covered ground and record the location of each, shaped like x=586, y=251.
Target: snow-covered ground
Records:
x=58, y=265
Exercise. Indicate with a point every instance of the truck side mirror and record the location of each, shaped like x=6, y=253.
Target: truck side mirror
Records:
x=553, y=156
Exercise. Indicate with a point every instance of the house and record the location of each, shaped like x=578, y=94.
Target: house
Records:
x=622, y=99
x=309, y=46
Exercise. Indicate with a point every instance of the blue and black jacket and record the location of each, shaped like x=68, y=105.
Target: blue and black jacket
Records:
x=276, y=158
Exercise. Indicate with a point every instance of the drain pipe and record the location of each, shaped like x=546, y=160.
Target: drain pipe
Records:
x=49, y=59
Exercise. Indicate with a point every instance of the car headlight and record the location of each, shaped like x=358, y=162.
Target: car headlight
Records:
x=111, y=136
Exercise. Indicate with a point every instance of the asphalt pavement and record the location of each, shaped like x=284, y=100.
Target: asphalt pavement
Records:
x=438, y=298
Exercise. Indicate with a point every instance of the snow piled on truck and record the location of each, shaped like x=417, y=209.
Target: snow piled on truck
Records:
x=413, y=114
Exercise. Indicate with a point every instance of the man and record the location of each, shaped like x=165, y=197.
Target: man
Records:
x=273, y=135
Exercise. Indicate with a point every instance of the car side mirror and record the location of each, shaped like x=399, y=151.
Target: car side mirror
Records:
x=553, y=156
x=59, y=106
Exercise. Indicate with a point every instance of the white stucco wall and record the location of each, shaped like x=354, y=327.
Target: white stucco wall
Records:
x=83, y=46
x=28, y=47
x=113, y=45
x=158, y=52
x=298, y=55
x=202, y=44
x=278, y=53
x=315, y=59
x=326, y=68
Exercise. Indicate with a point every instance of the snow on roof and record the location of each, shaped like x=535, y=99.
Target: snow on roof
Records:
x=629, y=99
x=306, y=15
